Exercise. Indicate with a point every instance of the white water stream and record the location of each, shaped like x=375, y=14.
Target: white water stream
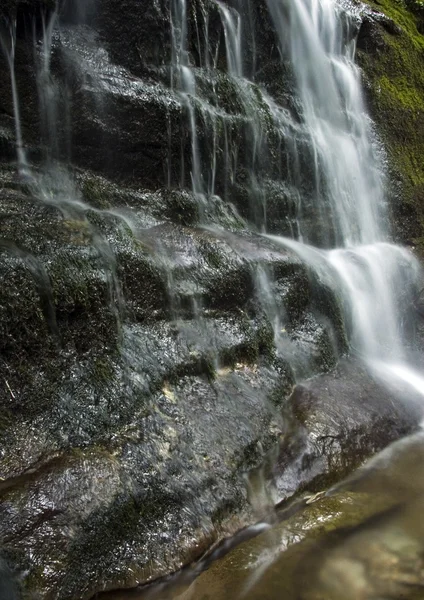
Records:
x=368, y=271
x=371, y=276
x=8, y=45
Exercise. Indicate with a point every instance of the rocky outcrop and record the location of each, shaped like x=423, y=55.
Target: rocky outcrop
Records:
x=337, y=421
x=128, y=415
x=360, y=540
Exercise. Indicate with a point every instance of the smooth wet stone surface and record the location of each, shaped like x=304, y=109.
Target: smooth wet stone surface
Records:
x=336, y=421
x=136, y=427
x=363, y=540
x=129, y=355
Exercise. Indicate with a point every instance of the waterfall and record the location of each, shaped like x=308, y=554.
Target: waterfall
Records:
x=365, y=269
x=53, y=183
x=190, y=312
x=349, y=241
x=319, y=38
x=183, y=80
x=341, y=229
x=8, y=45
x=48, y=91
x=232, y=29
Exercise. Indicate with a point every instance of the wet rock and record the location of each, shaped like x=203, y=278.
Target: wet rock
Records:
x=145, y=35
x=26, y=6
x=121, y=125
x=370, y=37
x=28, y=101
x=130, y=347
x=133, y=121
x=341, y=418
x=363, y=539
x=140, y=377
x=160, y=487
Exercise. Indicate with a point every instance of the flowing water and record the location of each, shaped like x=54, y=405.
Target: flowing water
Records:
x=346, y=167
x=354, y=254
x=347, y=247
x=349, y=178
x=8, y=45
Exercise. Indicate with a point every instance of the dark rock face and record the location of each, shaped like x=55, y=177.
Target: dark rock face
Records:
x=340, y=419
x=145, y=37
x=157, y=486
x=118, y=419
x=139, y=375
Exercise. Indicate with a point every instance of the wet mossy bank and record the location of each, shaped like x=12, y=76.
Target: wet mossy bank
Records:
x=391, y=54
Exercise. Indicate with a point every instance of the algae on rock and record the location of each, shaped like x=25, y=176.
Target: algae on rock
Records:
x=392, y=58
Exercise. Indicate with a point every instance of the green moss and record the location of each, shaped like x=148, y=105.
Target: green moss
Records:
x=103, y=371
x=396, y=77
x=95, y=193
x=181, y=208
x=211, y=254
x=406, y=95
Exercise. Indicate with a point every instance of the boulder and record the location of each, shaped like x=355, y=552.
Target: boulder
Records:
x=362, y=539
x=337, y=421
x=131, y=345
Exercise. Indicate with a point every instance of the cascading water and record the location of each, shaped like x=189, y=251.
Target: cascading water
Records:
x=8, y=45
x=48, y=92
x=232, y=29
x=318, y=38
x=318, y=35
x=54, y=184
x=193, y=344
x=183, y=80
x=348, y=201
x=320, y=41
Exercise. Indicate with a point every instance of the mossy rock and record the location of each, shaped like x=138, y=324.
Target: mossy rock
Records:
x=394, y=71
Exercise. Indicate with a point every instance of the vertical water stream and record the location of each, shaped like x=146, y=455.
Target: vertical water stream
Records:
x=53, y=183
x=350, y=245
x=319, y=36
x=8, y=45
x=244, y=140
